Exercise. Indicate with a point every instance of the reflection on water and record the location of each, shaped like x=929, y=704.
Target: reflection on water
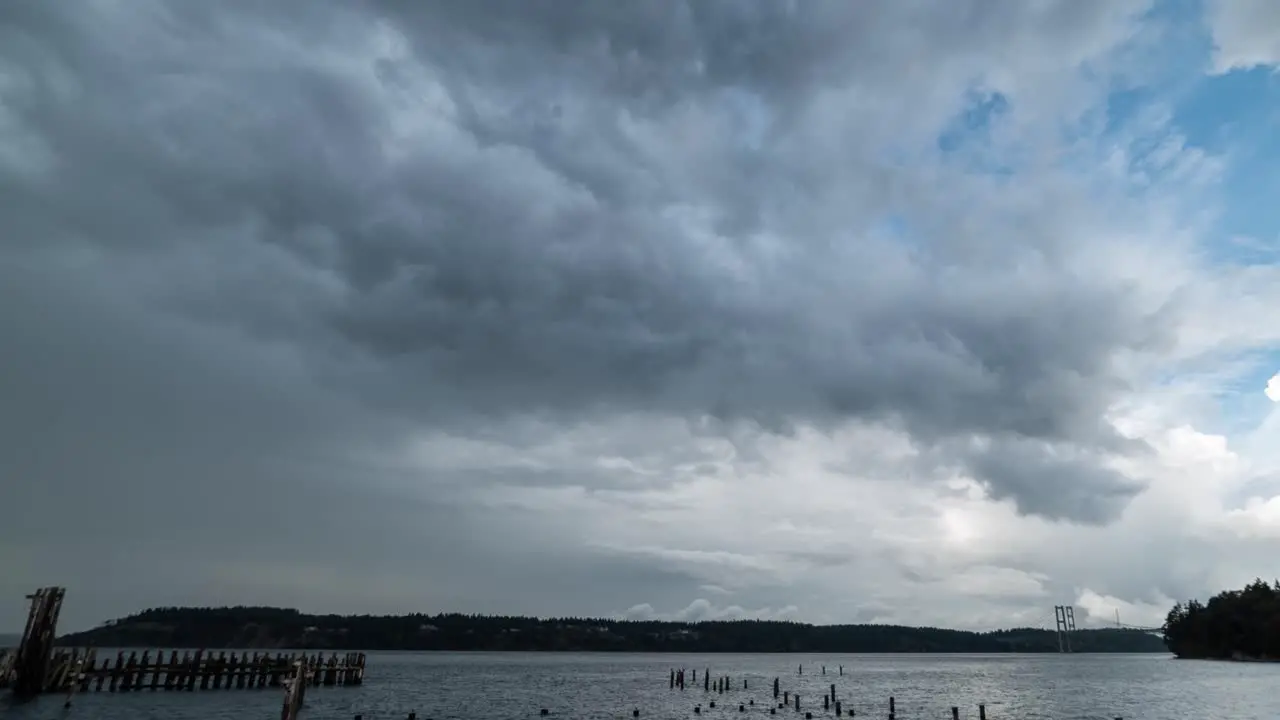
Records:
x=511, y=686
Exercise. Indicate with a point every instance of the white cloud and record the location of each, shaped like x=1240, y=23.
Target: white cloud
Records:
x=1246, y=34
x=1273, y=388
x=1094, y=610
x=703, y=610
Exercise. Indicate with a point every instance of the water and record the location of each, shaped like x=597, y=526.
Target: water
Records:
x=514, y=686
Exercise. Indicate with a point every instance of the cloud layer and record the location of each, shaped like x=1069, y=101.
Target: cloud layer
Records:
x=610, y=304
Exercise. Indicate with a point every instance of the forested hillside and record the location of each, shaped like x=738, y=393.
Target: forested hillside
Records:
x=265, y=627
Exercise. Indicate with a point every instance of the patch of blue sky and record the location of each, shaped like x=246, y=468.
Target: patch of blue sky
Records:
x=967, y=138
x=1243, y=402
x=894, y=227
x=981, y=110
x=1147, y=78
x=1171, y=105
x=1237, y=388
x=1237, y=116
x=751, y=116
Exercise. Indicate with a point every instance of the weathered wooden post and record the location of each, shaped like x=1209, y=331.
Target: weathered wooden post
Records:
x=955, y=713
x=775, y=688
x=833, y=691
x=838, y=712
x=78, y=676
x=982, y=712
x=797, y=697
x=31, y=662
x=294, y=691
x=826, y=702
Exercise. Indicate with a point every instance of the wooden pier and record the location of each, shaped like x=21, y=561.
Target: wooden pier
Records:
x=79, y=670
x=36, y=667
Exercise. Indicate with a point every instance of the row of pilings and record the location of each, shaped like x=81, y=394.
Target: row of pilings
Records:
x=784, y=699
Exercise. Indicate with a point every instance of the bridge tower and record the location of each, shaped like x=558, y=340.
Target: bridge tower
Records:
x=1065, y=619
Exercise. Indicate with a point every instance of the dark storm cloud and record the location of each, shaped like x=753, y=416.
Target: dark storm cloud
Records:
x=246, y=247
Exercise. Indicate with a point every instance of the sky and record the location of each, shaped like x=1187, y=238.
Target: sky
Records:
x=902, y=311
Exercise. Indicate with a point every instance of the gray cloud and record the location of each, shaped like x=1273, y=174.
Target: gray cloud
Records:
x=250, y=252
x=477, y=271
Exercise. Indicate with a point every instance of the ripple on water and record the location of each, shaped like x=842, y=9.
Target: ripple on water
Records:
x=514, y=686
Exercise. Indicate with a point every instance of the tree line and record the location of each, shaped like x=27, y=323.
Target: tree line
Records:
x=267, y=627
x=1234, y=625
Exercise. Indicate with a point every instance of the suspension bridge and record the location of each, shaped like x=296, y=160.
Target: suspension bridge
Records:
x=1064, y=624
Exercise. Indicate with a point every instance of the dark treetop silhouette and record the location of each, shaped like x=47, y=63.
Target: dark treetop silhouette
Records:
x=1233, y=625
x=264, y=627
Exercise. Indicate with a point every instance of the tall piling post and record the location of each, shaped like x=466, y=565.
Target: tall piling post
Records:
x=31, y=662
x=294, y=692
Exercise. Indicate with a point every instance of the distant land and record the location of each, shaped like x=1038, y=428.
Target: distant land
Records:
x=10, y=639
x=266, y=627
x=1233, y=625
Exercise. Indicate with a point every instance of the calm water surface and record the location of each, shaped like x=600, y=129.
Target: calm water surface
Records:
x=514, y=686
